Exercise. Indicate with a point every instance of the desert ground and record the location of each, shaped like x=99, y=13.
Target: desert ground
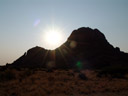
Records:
x=41, y=82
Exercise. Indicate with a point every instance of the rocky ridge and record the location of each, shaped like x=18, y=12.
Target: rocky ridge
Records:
x=85, y=48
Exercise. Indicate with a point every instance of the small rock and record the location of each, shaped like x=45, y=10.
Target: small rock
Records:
x=82, y=76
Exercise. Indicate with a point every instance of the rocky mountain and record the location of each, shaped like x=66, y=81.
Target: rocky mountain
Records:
x=85, y=48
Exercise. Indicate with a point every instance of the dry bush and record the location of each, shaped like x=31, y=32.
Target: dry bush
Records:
x=7, y=75
x=59, y=83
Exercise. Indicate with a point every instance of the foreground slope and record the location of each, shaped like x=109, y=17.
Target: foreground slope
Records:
x=26, y=82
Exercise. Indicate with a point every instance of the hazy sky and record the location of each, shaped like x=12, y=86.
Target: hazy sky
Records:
x=22, y=22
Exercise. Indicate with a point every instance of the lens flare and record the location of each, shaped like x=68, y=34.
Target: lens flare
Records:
x=36, y=22
x=79, y=64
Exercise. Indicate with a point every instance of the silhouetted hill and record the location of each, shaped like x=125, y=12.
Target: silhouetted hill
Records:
x=85, y=48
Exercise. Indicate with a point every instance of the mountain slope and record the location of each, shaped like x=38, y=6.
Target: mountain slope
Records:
x=85, y=48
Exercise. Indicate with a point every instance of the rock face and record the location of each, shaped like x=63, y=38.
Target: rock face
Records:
x=85, y=49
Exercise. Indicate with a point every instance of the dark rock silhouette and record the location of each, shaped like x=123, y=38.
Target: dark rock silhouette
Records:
x=85, y=49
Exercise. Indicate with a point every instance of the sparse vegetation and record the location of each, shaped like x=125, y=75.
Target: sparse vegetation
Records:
x=115, y=71
x=39, y=82
x=7, y=75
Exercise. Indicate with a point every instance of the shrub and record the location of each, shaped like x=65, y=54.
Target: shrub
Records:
x=7, y=75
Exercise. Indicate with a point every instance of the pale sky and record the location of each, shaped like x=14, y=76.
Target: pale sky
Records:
x=23, y=23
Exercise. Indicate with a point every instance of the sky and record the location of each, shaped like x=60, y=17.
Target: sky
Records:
x=23, y=23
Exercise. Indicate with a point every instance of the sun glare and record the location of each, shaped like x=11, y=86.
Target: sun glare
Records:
x=52, y=38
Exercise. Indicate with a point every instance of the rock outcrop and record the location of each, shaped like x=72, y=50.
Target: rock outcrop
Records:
x=84, y=49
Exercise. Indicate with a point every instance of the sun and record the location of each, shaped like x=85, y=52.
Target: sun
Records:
x=52, y=38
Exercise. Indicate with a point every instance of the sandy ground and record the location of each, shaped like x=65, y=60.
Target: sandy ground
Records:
x=39, y=82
